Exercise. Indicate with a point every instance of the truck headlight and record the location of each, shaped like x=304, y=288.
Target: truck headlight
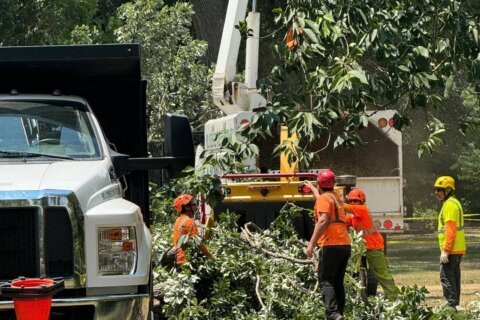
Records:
x=117, y=250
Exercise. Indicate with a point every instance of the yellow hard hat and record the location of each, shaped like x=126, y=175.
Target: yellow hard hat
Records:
x=445, y=182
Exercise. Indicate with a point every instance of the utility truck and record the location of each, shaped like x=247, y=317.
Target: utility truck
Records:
x=375, y=167
x=74, y=179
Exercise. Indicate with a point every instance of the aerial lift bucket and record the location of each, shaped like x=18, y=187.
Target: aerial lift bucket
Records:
x=32, y=297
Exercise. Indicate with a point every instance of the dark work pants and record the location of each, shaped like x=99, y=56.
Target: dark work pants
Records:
x=331, y=271
x=450, y=279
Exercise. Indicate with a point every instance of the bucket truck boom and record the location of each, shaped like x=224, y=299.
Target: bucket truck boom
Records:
x=229, y=95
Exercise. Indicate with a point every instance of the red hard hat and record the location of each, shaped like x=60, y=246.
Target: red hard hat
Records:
x=326, y=179
x=357, y=194
x=182, y=200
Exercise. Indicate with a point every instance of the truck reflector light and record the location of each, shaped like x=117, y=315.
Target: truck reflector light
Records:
x=127, y=246
x=303, y=189
x=388, y=224
x=391, y=122
x=244, y=123
x=117, y=250
x=382, y=122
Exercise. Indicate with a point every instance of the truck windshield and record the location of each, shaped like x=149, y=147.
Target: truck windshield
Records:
x=47, y=128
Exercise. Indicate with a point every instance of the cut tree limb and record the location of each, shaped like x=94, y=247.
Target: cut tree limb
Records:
x=249, y=237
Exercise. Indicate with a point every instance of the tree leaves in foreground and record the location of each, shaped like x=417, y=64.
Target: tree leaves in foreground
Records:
x=266, y=275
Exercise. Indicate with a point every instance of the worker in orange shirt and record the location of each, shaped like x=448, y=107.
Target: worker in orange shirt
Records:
x=186, y=206
x=332, y=236
x=361, y=221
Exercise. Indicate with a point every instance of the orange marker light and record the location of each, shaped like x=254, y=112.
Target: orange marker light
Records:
x=111, y=234
x=382, y=122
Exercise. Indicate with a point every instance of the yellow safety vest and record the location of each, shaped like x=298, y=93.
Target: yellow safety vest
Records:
x=452, y=211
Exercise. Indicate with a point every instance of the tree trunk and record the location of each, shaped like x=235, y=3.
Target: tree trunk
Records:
x=208, y=23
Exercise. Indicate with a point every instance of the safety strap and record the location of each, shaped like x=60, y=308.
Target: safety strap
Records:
x=368, y=231
x=337, y=218
x=373, y=229
x=180, y=228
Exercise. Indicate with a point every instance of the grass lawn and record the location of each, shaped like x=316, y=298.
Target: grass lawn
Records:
x=414, y=259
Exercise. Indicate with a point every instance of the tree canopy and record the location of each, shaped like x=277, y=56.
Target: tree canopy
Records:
x=346, y=59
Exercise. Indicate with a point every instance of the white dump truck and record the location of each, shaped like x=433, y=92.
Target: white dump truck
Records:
x=71, y=206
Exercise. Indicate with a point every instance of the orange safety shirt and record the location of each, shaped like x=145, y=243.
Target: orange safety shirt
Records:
x=336, y=232
x=183, y=225
x=361, y=220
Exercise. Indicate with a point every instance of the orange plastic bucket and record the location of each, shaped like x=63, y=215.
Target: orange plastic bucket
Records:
x=32, y=308
x=32, y=298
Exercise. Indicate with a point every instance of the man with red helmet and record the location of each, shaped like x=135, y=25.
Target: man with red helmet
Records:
x=332, y=236
x=361, y=220
x=186, y=206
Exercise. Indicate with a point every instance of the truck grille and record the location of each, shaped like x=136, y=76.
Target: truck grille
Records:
x=18, y=243
x=58, y=243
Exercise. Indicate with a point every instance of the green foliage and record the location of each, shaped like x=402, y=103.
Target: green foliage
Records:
x=470, y=171
x=234, y=148
x=199, y=183
x=435, y=129
x=178, y=81
x=84, y=34
x=38, y=22
x=355, y=57
x=245, y=282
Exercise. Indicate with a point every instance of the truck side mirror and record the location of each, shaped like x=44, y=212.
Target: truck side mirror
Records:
x=119, y=162
x=178, y=143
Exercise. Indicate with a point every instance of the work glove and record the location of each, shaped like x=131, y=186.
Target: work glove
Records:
x=444, y=257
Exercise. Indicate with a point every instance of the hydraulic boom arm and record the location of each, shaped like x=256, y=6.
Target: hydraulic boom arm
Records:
x=228, y=95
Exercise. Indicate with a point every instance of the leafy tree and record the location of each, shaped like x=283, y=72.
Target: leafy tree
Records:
x=37, y=22
x=100, y=28
x=470, y=175
x=177, y=80
x=348, y=59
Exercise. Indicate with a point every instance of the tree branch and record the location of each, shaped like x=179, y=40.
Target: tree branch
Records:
x=257, y=291
x=248, y=236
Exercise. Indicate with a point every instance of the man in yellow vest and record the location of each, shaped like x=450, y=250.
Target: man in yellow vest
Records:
x=451, y=238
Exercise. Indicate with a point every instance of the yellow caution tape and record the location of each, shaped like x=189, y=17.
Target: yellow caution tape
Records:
x=432, y=218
